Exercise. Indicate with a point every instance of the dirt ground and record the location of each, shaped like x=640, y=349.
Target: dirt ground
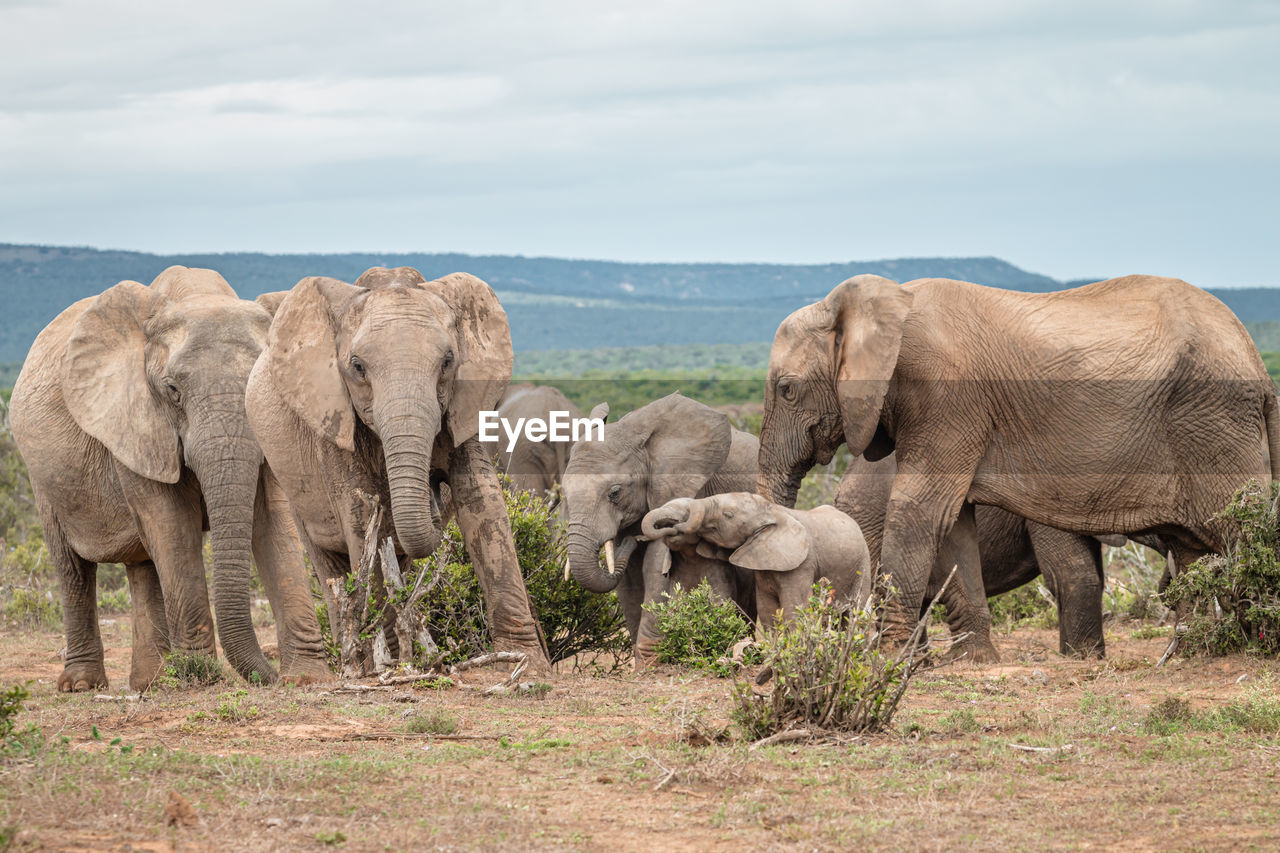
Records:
x=607, y=763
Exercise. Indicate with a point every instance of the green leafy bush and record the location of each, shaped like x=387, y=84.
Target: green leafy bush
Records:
x=115, y=601
x=10, y=706
x=1030, y=604
x=190, y=669
x=29, y=608
x=1231, y=602
x=698, y=628
x=828, y=672
x=573, y=620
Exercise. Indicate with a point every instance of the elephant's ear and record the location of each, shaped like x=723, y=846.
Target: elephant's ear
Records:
x=484, y=356
x=868, y=313
x=180, y=283
x=711, y=551
x=601, y=411
x=104, y=383
x=686, y=443
x=779, y=546
x=302, y=357
x=271, y=301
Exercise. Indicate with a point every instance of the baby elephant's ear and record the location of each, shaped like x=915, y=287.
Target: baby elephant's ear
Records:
x=777, y=547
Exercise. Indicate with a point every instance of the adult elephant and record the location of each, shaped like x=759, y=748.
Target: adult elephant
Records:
x=671, y=448
x=1135, y=405
x=376, y=388
x=130, y=414
x=1008, y=552
x=534, y=466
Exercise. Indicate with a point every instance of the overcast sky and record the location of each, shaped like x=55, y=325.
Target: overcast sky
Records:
x=1073, y=138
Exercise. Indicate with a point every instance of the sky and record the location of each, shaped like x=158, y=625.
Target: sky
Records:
x=1076, y=139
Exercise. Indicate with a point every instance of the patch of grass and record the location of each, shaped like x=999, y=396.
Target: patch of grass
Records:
x=433, y=723
x=1150, y=632
x=1231, y=602
x=184, y=669
x=438, y=682
x=235, y=707
x=698, y=628
x=1257, y=713
x=828, y=672
x=959, y=721
x=115, y=601
x=332, y=838
x=538, y=690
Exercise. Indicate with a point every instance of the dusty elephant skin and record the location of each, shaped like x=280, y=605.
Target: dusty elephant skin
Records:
x=788, y=550
x=673, y=447
x=1135, y=405
x=375, y=389
x=130, y=415
x=534, y=466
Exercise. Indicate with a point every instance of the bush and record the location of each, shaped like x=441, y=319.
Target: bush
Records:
x=115, y=601
x=190, y=669
x=10, y=706
x=1030, y=604
x=1231, y=602
x=31, y=609
x=698, y=628
x=573, y=620
x=828, y=672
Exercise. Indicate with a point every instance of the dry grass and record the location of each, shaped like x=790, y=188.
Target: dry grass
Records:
x=581, y=769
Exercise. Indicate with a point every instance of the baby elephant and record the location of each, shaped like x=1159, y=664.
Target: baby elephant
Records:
x=789, y=549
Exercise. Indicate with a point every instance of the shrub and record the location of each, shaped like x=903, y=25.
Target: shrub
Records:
x=116, y=601
x=828, y=672
x=433, y=723
x=184, y=668
x=235, y=707
x=1030, y=604
x=1231, y=602
x=10, y=706
x=31, y=609
x=698, y=628
x=573, y=620
x=1257, y=712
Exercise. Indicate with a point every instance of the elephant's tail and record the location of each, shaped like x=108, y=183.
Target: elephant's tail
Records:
x=1272, y=412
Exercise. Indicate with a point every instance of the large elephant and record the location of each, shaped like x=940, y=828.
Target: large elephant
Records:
x=788, y=550
x=1136, y=405
x=534, y=466
x=1011, y=551
x=376, y=388
x=674, y=447
x=130, y=414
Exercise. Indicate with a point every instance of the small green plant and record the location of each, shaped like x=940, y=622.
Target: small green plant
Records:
x=538, y=690
x=332, y=838
x=115, y=601
x=960, y=721
x=185, y=668
x=433, y=723
x=698, y=628
x=10, y=706
x=235, y=707
x=828, y=672
x=332, y=651
x=1231, y=602
x=29, y=608
x=1029, y=605
x=438, y=682
x=1257, y=712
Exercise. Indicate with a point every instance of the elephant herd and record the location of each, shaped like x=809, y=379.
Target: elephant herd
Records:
x=995, y=431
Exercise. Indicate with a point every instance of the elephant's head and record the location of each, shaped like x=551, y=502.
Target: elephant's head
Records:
x=746, y=529
x=829, y=370
x=158, y=374
x=664, y=450
x=398, y=358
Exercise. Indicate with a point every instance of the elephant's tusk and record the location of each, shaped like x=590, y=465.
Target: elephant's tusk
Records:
x=608, y=557
x=566, y=568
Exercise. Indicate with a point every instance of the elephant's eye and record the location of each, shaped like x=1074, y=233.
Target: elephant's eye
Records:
x=448, y=361
x=174, y=394
x=357, y=366
x=614, y=492
x=787, y=390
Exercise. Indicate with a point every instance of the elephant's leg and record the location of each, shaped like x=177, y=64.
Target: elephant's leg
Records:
x=794, y=589
x=925, y=503
x=78, y=580
x=656, y=569
x=631, y=593
x=482, y=516
x=150, y=624
x=277, y=552
x=966, y=597
x=1072, y=566
x=768, y=601
x=170, y=520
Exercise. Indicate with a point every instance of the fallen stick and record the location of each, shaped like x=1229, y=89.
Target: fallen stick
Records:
x=788, y=736
x=1025, y=748
x=485, y=660
x=405, y=736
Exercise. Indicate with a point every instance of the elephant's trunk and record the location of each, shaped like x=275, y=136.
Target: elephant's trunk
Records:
x=786, y=454
x=667, y=521
x=229, y=474
x=584, y=561
x=408, y=435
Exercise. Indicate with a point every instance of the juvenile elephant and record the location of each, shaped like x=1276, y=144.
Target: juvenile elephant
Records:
x=673, y=447
x=1136, y=405
x=377, y=388
x=534, y=466
x=130, y=414
x=1011, y=551
x=789, y=550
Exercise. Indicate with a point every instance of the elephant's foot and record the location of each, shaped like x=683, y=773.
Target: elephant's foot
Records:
x=973, y=650
x=302, y=671
x=143, y=671
x=643, y=658
x=1085, y=650
x=78, y=677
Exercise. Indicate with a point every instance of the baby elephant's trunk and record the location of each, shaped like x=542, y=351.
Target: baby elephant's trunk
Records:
x=670, y=519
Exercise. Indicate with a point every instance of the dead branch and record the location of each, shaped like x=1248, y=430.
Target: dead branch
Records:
x=410, y=623
x=486, y=659
x=782, y=737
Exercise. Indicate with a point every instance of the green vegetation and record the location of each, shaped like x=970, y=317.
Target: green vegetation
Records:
x=1257, y=712
x=698, y=628
x=573, y=620
x=10, y=706
x=432, y=722
x=1231, y=602
x=235, y=707
x=1029, y=605
x=184, y=669
x=612, y=360
x=828, y=672
x=1272, y=361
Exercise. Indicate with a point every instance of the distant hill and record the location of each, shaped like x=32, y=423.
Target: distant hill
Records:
x=553, y=304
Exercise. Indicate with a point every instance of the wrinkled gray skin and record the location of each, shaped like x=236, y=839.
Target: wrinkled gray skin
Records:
x=673, y=447
x=1134, y=406
x=534, y=466
x=788, y=550
x=376, y=388
x=1011, y=550
x=130, y=415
